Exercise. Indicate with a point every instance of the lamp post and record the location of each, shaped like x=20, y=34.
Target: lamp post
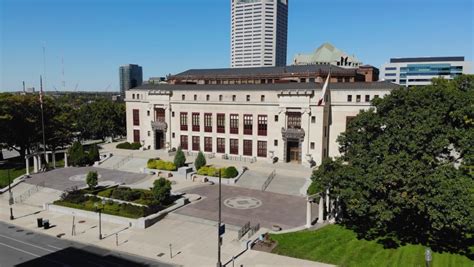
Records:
x=219, y=239
x=99, y=210
x=10, y=200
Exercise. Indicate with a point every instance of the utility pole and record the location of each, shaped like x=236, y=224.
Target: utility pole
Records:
x=219, y=238
x=10, y=201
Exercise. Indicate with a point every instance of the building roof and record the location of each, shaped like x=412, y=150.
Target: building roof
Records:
x=425, y=59
x=326, y=53
x=268, y=86
x=261, y=71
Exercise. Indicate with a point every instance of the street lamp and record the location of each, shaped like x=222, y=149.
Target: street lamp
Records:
x=220, y=228
x=10, y=200
x=99, y=210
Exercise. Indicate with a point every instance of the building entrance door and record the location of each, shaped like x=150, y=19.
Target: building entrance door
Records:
x=159, y=140
x=293, y=152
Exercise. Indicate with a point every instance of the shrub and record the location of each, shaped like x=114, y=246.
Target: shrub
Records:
x=179, y=158
x=127, y=145
x=200, y=161
x=161, y=190
x=230, y=172
x=93, y=154
x=151, y=164
x=135, y=146
x=208, y=171
x=77, y=157
x=92, y=179
x=161, y=165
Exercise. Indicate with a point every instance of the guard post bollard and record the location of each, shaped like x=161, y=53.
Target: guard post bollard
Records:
x=39, y=222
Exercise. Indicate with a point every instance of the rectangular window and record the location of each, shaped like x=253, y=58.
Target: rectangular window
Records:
x=148, y=113
x=276, y=117
x=349, y=98
x=208, y=97
x=195, y=122
x=136, y=117
x=183, y=121
x=195, y=97
x=248, y=98
x=262, y=149
x=248, y=124
x=325, y=131
x=172, y=135
x=208, y=144
x=247, y=147
x=262, y=97
x=312, y=145
x=136, y=136
x=220, y=123
x=313, y=119
x=367, y=98
x=208, y=122
x=220, y=97
x=234, y=97
x=196, y=145
x=275, y=142
x=357, y=98
x=234, y=123
x=262, y=125
x=183, y=97
x=234, y=146
x=220, y=145
x=184, y=142
x=294, y=120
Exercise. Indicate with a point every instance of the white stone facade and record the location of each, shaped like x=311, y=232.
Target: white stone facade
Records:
x=293, y=118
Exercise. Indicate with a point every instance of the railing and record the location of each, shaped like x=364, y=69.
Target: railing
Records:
x=243, y=230
x=195, y=153
x=239, y=158
x=25, y=195
x=253, y=230
x=269, y=180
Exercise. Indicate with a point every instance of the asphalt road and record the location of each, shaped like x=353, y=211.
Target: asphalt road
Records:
x=21, y=247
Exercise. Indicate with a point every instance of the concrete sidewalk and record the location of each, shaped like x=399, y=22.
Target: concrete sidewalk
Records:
x=193, y=242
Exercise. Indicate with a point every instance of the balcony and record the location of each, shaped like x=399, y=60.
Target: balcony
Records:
x=292, y=133
x=159, y=125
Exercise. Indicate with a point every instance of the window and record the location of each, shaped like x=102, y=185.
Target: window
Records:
x=262, y=125
x=196, y=145
x=294, y=120
x=357, y=98
x=220, y=123
x=195, y=122
x=133, y=96
x=136, y=136
x=172, y=114
x=220, y=145
x=367, y=98
x=208, y=97
x=136, y=117
x=325, y=131
x=276, y=117
x=349, y=98
x=275, y=142
x=312, y=145
x=184, y=142
x=208, y=144
x=195, y=97
x=247, y=147
x=262, y=97
x=220, y=97
x=248, y=98
x=148, y=113
x=208, y=122
x=234, y=123
x=183, y=120
x=183, y=97
x=262, y=149
x=313, y=119
x=148, y=133
x=234, y=146
x=234, y=97
x=172, y=135
x=248, y=124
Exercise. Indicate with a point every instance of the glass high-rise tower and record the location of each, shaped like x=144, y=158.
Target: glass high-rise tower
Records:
x=131, y=76
x=258, y=33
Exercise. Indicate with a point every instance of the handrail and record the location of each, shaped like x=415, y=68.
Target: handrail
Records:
x=269, y=180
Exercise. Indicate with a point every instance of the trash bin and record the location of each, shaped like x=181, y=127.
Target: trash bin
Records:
x=46, y=224
x=39, y=222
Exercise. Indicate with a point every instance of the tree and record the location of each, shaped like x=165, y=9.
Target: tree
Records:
x=179, y=158
x=404, y=173
x=77, y=157
x=161, y=190
x=100, y=119
x=200, y=161
x=92, y=179
x=93, y=154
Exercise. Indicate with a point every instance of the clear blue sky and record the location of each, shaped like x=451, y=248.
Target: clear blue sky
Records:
x=95, y=37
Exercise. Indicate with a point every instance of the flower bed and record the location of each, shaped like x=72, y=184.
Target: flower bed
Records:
x=159, y=164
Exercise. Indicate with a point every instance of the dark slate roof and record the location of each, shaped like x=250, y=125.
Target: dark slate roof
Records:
x=424, y=59
x=256, y=71
x=268, y=87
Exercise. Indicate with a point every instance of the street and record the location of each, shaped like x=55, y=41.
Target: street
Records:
x=21, y=247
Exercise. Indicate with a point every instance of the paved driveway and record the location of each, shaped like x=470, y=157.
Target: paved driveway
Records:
x=65, y=178
x=240, y=205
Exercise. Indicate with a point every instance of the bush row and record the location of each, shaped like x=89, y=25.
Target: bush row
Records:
x=140, y=196
x=161, y=165
x=127, y=145
x=229, y=172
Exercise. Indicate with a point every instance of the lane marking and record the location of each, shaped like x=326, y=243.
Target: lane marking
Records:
x=26, y=243
x=21, y=250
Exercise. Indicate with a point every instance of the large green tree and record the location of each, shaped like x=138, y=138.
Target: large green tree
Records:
x=406, y=168
x=100, y=119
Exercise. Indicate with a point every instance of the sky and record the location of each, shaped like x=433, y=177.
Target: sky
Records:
x=94, y=37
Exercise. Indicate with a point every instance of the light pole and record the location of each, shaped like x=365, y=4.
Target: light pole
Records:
x=10, y=200
x=219, y=239
x=99, y=210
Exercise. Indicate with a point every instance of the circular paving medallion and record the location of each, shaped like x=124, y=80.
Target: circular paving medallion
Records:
x=243, y=203
x=80, y=177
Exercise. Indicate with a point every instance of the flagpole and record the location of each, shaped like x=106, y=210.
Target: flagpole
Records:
x=42, y=117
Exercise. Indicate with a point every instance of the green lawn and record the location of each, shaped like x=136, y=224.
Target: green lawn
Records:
x=14, y=173
x=335, y=244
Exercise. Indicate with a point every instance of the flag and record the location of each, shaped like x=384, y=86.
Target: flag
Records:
x=323, y=93
x=41, y=91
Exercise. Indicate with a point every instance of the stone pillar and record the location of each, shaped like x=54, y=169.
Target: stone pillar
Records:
x=320, y=210
x=65, y=160
x=46, y=157
x=40, y=165
x=54, y=159
x=35, y=164
x=308, y=213
x=27, y=163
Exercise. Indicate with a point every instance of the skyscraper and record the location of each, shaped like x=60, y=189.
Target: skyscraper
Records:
x=258, y=33
x=131, y=76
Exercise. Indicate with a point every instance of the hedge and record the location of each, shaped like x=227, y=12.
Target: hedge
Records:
x=161, y=165
x=229, y=172
x=127, y=145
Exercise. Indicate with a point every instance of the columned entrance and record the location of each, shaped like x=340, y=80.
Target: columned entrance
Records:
x=160, y=128
x=293, y=151
x=159, y=139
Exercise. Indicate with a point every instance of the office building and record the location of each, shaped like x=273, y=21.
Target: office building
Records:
x=279, y=121
x=258, y=33
x=421, y=70
x=131, y=76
